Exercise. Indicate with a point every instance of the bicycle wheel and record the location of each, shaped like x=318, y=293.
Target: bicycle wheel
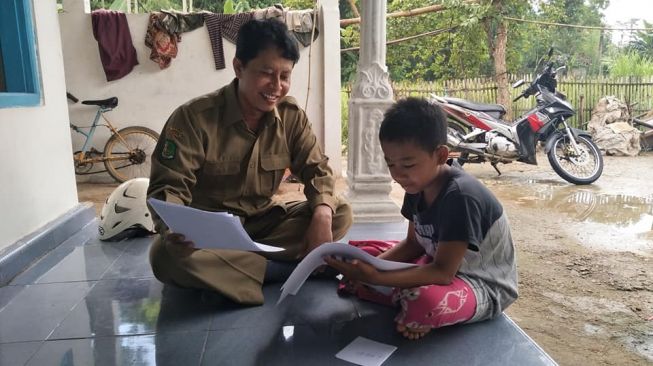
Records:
x=128, y=153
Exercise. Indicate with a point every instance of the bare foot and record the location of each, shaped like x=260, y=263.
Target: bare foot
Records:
x=412, y=333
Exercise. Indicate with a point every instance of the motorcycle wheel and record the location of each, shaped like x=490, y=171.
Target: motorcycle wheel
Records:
x=584, y=168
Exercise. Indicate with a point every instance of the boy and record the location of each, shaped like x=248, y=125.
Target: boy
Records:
x=458, y=233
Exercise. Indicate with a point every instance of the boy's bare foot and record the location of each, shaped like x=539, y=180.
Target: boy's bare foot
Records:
x=412, y=333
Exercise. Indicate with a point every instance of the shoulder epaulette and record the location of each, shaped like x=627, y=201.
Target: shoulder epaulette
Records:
x=289, y=101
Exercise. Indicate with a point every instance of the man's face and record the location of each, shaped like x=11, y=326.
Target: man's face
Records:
x=263, y=81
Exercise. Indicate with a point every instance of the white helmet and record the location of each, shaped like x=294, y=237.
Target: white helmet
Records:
x=125, y=213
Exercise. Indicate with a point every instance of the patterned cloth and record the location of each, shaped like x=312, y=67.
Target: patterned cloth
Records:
x=422, y=307
x=164, y=32
x=227, y=26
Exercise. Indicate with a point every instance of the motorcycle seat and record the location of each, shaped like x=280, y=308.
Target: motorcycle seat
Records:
x=494, y=109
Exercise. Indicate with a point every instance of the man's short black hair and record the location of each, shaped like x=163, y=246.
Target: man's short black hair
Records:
x=415, y=120
x=256, y=36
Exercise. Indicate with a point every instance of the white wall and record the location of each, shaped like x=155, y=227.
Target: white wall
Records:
x=148, y=95
x=38, y=182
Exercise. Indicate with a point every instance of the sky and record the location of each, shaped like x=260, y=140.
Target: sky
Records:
x=624, y=10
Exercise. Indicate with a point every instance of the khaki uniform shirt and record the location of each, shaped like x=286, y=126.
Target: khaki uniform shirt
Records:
x=207, y=158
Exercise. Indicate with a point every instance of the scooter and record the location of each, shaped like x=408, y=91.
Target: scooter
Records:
x=479, y=134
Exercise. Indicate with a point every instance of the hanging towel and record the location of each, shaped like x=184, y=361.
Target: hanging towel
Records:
x=117, y=52
x=227, y=26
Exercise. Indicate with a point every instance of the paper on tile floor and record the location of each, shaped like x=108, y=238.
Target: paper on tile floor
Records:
x=315, y=259
x=366, y=352
x=215, y=230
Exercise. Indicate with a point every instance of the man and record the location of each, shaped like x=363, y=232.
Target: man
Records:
x=227, y=151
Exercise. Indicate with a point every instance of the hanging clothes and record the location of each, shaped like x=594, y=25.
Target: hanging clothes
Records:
x=117, y=52
x=299, y=22
x=227, y=26
x=164, y=30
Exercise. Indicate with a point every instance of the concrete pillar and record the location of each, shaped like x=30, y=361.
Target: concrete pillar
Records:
x=329, y=80
x=367, y=174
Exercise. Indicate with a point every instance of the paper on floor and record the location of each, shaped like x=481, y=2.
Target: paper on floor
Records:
x=315, y=259
x=366, y=352
x=214, y=230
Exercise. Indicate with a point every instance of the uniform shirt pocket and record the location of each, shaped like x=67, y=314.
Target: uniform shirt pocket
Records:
x=273, y=167
x=221, y=178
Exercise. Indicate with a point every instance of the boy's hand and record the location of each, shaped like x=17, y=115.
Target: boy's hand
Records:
x=354, y=270
x=178, y=245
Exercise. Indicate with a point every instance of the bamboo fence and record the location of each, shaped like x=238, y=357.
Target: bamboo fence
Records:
x=583, y=94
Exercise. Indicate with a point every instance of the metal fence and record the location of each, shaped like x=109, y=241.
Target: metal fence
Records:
x=583, y=94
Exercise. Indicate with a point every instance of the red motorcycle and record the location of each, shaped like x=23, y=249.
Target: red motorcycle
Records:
x=478, y=133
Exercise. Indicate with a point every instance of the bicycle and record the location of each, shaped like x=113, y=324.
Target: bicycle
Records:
x=127, y=152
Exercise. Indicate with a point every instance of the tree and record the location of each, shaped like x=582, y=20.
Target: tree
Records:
x=642, y=42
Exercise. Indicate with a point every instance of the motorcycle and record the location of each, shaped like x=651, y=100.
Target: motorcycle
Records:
x=479, y=134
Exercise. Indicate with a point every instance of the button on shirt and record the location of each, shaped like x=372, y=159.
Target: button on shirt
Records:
x=207, y=158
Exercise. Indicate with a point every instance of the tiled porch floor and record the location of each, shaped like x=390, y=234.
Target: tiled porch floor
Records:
x=93, y=303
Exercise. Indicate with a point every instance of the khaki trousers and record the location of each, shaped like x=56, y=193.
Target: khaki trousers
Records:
x=238, y=274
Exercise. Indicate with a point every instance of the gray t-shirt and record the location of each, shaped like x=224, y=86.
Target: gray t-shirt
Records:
x=465, y=210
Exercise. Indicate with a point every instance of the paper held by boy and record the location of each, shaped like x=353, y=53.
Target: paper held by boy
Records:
x=315, y=259
x=222, y=230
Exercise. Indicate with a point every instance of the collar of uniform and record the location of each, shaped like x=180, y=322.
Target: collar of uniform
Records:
x=233, y=113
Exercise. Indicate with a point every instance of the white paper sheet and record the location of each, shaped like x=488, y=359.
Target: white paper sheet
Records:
x=215, y=230
x=315, y=259
x=366, y=352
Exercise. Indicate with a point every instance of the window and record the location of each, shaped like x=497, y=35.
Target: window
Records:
x=19, y=77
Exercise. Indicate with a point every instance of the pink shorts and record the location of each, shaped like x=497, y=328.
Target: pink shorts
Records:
x=423, y=307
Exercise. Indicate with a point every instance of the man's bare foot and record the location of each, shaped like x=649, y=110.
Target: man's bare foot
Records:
x=412, y=333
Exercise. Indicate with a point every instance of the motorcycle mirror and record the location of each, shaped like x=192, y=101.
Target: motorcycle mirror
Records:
x=518, y=83
x=563, y=67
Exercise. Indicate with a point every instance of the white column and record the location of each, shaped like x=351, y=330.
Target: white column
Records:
x=367, y=173
x=329, y=81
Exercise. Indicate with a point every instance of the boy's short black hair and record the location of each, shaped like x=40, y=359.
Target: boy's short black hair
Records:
x=415, y=120
x=258, y=35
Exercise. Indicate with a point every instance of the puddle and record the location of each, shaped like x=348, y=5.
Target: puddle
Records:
x=643, y=345
x=600, y=220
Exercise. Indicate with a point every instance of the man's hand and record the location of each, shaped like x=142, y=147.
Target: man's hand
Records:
x=178, y=245
x=319, y=230
x=354, y=270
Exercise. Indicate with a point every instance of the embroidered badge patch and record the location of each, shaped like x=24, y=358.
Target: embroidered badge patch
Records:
x=169, y=150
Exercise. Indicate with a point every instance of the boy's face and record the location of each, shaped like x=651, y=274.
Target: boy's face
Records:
x=414, y=168
x=263, y=81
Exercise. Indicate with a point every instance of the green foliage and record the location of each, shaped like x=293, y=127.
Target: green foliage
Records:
x=298, y=4
x=643, y=41
x=228, y=7
x=349, y=37
x=631, y=64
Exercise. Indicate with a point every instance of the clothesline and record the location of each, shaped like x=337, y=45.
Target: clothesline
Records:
x=164, y=33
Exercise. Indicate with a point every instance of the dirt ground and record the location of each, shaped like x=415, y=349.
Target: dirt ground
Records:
x=585, y=256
